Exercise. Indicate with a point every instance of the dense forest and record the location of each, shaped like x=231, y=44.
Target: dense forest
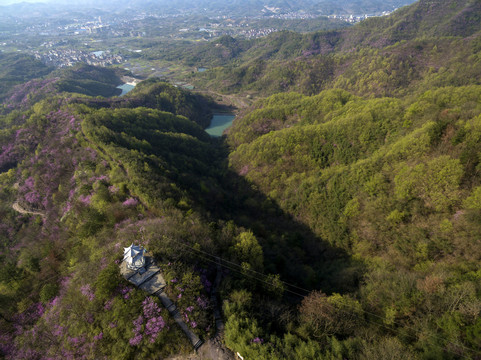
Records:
x=343, y=206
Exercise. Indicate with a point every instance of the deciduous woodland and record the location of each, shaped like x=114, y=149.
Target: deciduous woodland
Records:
x=344, y=204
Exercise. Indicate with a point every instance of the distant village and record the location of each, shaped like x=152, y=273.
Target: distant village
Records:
x=68, y=57
x=357, y=18
x=58, y=37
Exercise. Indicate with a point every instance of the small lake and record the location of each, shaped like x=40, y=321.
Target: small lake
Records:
x=219, y=123
x=125, y=88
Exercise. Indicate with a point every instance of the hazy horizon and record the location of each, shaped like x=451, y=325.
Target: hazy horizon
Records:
x=86, y=2
x=10, y=2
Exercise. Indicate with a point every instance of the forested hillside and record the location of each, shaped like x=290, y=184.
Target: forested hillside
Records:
x=423, y=45
x=97, y=178
x=81, y=79
x=393, y=182
x=343, y=207
x=384, y=164
x=17, y=69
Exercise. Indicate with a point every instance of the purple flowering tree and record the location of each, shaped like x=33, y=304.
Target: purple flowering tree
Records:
x=190, y=292
x=149, y=325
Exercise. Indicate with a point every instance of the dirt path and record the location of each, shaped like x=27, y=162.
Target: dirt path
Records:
x=237, y=101
x=214, y=348
x=18, y=208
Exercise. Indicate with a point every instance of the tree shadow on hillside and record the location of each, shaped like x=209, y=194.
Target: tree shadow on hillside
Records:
x=290, y=248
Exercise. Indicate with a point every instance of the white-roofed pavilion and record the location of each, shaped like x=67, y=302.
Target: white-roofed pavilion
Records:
x=134, y=256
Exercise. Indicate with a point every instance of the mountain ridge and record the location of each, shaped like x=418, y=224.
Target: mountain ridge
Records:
x=345, y=215
x=369, y=54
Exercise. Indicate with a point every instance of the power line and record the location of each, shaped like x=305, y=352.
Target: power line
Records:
x=253, y=275
x=244, y=269
x=329, y=305
x=362, y=310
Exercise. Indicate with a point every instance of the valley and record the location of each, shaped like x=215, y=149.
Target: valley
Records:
x=337, y=217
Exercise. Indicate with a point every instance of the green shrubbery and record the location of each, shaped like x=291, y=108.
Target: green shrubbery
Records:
x=400, y=196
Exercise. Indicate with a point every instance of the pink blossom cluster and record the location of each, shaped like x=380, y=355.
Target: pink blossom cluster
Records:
x=125, y=291
x=28, y=317
x=19, y=145
x=108, y=304
x=7, y=155
x=257, y=340
x=103, y=178
x=30, y=193
x=26, y=93
x=92, y=154
x=7, y=345
x=154, y=323
x=202, y=302
x=52, y=162
x=6, y=230
x=87, y=291
x=33, y=332
x=130, y=202
x=55, y=301
x=57, y=161
x=85, y=199
x=137, y=331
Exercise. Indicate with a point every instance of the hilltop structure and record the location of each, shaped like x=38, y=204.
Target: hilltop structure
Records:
x=134, y=257
x=141, y=271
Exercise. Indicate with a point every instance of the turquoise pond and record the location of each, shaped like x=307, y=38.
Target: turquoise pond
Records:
x=125, y=88
x=219, y=123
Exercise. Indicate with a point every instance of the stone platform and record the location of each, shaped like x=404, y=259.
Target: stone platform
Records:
x=150, y=279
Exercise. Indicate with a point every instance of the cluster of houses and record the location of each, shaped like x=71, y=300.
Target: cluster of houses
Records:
x=69, y=57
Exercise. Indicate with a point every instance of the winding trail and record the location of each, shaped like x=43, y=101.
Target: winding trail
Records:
x=18, y=208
